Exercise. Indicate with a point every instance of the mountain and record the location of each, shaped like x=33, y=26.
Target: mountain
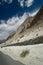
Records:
x=30, y=31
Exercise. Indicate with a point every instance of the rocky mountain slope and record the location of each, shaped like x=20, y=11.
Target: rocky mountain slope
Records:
x=30, y=30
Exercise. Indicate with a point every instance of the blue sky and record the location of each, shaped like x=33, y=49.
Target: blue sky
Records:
x=9, y=10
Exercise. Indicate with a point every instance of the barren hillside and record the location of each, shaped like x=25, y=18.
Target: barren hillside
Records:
x=30, y=30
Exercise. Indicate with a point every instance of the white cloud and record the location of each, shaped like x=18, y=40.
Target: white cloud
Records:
x=34, y=12
x=21, y=2
x=4, y=35
x=6, y=1
x=27, y=3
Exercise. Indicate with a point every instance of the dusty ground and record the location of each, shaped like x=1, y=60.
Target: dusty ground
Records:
x=34, y=57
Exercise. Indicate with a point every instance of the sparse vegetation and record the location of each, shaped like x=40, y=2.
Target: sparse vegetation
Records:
x=24, y=53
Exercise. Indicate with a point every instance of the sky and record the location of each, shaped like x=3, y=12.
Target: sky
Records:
x=17, y=7
x=14, y=12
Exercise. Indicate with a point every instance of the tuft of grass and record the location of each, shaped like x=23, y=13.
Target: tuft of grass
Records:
x=24, y=53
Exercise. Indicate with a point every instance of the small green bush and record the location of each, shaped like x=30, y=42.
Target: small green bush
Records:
x=24, y=53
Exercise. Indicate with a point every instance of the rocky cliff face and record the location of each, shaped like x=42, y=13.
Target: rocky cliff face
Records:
x=31, y=29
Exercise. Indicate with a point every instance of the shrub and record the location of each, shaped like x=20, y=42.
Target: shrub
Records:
x=24, y=53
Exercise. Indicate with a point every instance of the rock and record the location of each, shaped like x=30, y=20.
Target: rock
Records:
x=30, y=29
